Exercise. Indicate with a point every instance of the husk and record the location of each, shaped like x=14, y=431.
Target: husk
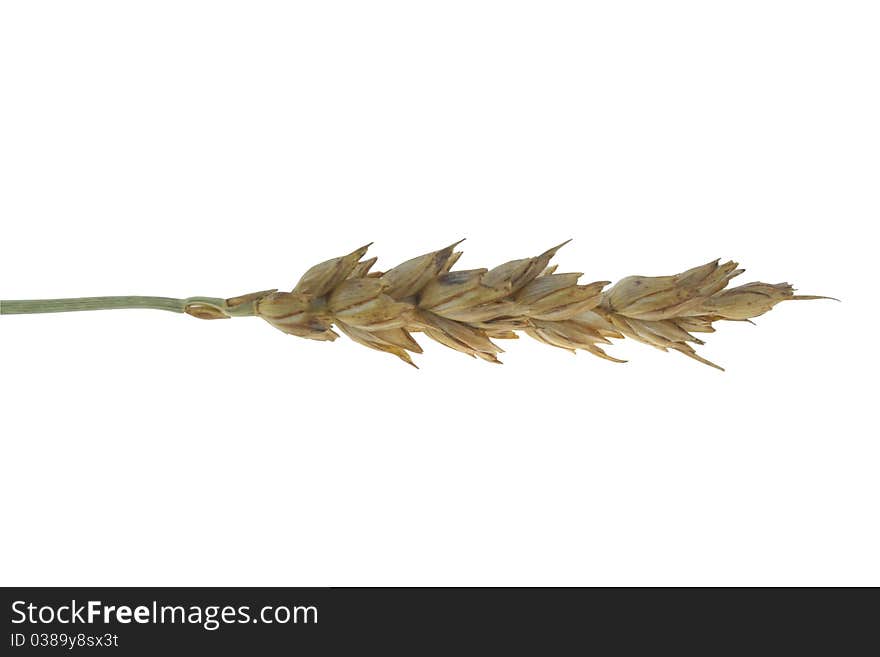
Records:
x=466, y=310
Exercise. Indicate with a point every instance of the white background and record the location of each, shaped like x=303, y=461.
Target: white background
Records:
x=216, y=148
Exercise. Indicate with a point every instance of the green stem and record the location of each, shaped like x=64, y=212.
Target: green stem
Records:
x=89, y=303
x=201, y=307
x=25, y=307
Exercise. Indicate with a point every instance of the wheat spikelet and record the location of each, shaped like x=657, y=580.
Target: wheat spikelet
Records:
x=467, y=310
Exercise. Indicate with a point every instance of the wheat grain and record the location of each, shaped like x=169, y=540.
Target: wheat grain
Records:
x=467, y=310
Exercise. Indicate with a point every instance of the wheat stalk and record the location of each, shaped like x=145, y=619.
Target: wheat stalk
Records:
x=467, y=310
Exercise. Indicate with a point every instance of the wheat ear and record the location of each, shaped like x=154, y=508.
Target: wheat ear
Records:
x=467, y=310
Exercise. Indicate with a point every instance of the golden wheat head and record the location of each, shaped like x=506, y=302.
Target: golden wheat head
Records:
x=467, y=310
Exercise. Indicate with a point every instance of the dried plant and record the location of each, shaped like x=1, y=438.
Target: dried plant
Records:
x=467, y=310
